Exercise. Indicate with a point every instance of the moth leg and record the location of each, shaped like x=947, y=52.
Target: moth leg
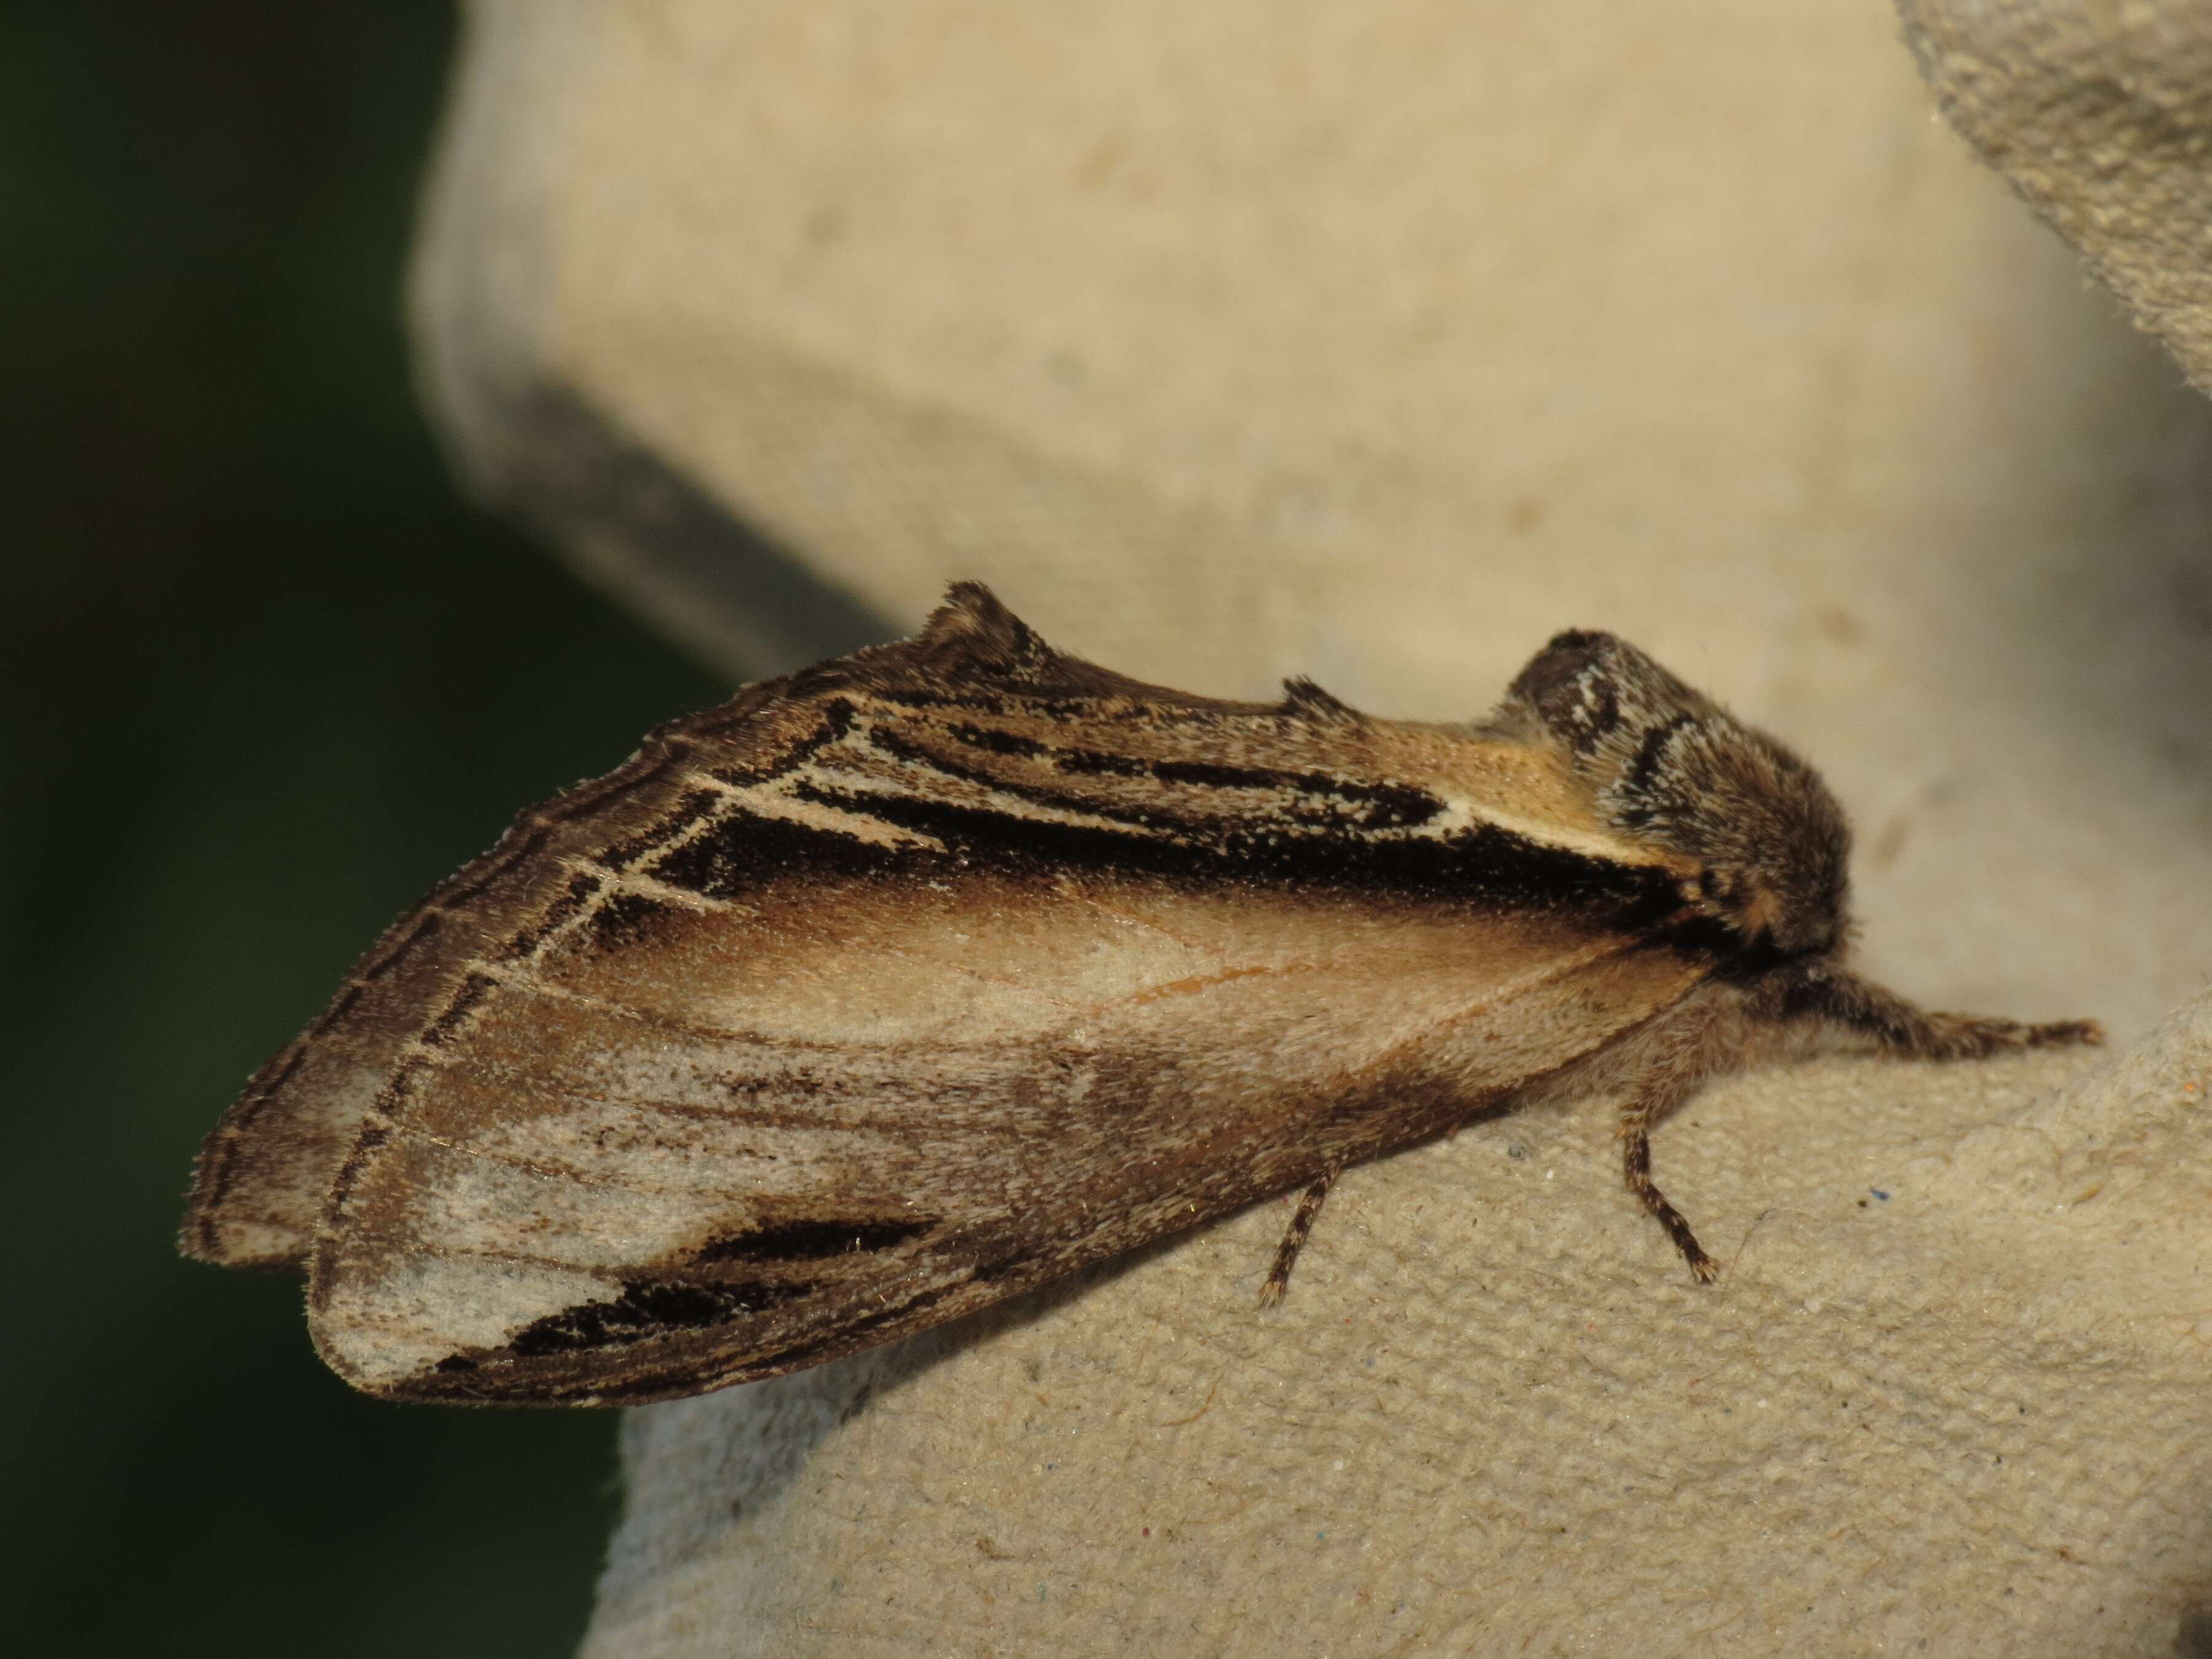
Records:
x=1674, y=1069
x=1294, y=1238
x=1911, y=1032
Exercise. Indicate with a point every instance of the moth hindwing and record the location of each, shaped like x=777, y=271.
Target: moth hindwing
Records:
x=929, y=974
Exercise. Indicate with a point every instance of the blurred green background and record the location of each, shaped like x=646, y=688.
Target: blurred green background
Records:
x=266, y=679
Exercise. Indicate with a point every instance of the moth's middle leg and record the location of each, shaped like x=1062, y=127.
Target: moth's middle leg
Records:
x=1294, y=1237
x=1675, y=1066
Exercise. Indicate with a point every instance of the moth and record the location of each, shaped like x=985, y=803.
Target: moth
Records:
x=929, y=974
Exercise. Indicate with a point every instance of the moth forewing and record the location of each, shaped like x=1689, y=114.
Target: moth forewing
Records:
x=928, y=975
x=852, y=1132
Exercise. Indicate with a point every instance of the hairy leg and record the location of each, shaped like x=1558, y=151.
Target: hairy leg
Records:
x=1294, y=1238
x=1674, y=1062
x=1707, y=1035
x=1905, y=1030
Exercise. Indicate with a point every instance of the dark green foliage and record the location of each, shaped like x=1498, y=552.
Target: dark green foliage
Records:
x=265, y=678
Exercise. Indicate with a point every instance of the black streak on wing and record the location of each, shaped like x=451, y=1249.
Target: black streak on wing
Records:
x=999, y=743
x=1372, y=806
x=621, y=917
x=645, y=1309
x=473, y=990
x=688, y=811
x=812, y=1240
x=914, y=755
x=1316, y=797
x=1330, y=842
x=1483, y=864
x=745, y=852
x=629, y=1323
x=1380, y=806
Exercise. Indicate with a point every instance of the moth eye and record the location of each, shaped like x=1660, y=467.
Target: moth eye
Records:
x=1709, y=884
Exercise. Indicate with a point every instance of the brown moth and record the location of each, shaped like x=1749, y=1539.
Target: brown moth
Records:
x=925, y=976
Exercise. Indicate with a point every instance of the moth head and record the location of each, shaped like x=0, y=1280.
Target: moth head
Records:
x=1669, y=767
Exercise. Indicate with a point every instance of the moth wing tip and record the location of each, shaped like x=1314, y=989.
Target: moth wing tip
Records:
x=199, y=1239
x=458, y=1380
x=208, y=1234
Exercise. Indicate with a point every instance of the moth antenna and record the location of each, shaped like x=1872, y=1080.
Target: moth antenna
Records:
x=1304, y=700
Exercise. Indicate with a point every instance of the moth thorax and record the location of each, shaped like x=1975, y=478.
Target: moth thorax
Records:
x=1669, y=766
x=1774, y=843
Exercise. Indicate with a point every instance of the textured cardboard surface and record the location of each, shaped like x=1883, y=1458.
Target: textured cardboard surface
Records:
x=2100, y=113
x=1270, y=336
x=1494, y=1416
x=1238, y=341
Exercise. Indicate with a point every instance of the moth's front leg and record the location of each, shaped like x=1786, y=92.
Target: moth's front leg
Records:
x=1904, y=1028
